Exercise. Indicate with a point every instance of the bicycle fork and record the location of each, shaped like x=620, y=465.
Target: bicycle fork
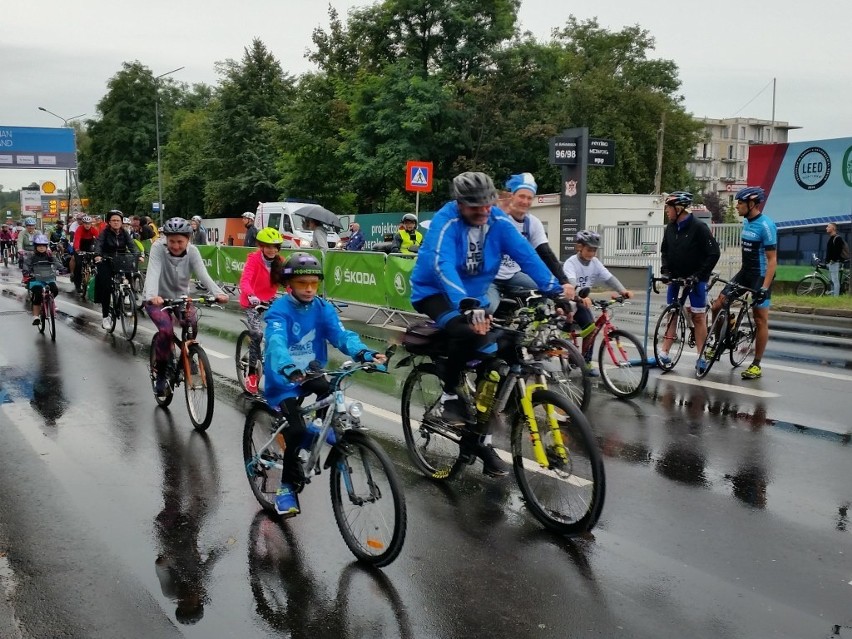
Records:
x=535, y=437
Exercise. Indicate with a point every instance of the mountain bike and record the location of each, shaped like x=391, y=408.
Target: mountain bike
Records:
x=8, y=250
x=188, y=364
x=122, y=298
x=43, y=274
x=675, y=328
x=732, y=328
x=621, y=357
x=366, y=494
x=554, y=455
x=538, y=318
x=241, y=357
x=86, y=270
x=819, y=283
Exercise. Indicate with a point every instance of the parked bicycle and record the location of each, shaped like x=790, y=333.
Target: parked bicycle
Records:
x=241, y=357
x=554, y=453
x=819, y=283
x=675, y=328
x=188, y=364
x=366, y=494
x=43, y=274
x=122, y=298
x=733, y=328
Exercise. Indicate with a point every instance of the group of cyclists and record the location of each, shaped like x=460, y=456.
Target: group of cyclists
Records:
x=474, y=252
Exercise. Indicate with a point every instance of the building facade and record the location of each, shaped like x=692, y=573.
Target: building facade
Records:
x=720, y=162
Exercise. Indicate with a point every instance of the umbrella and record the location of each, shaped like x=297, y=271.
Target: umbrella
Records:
x=320, y=214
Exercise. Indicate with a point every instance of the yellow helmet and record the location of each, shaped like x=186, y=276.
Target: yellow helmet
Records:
x=270, y=235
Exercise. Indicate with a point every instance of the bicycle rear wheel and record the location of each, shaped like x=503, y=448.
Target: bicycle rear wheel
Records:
x=715, y=343
x=49, y=310
x=166, y=398
x=127, y=311
x=198, y=387
x=741, y=342
x=432, y=444
x=623, y=367
x=571, y=377
x=367, y=500
x=241, y=358
x=263, y=465
x=810, y=285
x=672, y=326
x=566, y=490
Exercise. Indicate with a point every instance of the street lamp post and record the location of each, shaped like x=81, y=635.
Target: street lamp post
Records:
x=68, y=176
x=157, y=126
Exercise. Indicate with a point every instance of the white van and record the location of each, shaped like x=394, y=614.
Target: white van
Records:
x=285, y=217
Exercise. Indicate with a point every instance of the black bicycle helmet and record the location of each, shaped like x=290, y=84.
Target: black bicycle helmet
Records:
x=177, y=226
x=474, y=189
x=751, y=194
x=679, y=198
x=301, y=264
x=589, y=238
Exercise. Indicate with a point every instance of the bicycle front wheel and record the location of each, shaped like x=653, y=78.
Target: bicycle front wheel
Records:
x=715, y=343
x=671, y=328
x=42, y=320
x=127, y=311
x=166, y=398
x=432, y=444
x=810, y=285
x=263, y=463
x=241, y=358
x=571, y=376
x=742, y=341
x=623, y=368
x=198, y=388
x=367, y=500
x=49, y=310
x=564, y=485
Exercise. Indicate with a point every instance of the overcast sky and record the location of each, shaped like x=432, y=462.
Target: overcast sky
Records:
x=60, y=54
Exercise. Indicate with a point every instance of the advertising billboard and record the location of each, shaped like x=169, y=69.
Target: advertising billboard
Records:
x=37, y=148
x=806, y=182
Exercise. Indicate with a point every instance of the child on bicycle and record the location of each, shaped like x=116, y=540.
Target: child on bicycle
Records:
x=40, y=256
x=584, y=269
x=171, y=263
x=256, y=287
x=298, y=327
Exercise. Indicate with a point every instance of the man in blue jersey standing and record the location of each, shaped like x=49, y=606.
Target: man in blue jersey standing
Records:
x=760, y=258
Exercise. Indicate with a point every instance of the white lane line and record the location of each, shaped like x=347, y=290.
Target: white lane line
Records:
x=718, y=386
x=794, y=369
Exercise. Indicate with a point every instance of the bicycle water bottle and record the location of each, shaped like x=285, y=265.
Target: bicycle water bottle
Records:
x=314, y=429
x=486, y=391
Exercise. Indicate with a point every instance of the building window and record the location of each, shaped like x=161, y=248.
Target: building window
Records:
x=730, y=151
x=742, y=152
x=725, y=132
x=742, y=171
x=742, y=133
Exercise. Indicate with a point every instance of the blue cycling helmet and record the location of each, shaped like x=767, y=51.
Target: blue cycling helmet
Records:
x=679, y=198
x=41, y=238
x=751, y=194
x=30, y=221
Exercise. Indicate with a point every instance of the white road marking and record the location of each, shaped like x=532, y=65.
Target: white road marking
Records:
x=792, y=369
x=742, y=390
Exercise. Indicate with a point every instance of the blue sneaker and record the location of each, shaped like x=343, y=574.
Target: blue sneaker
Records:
x=592, y=370
x=701, y=365
x=665, y=359
x=286, y=502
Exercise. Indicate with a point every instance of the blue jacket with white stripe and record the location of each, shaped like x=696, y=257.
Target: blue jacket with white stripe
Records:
x=441, y=266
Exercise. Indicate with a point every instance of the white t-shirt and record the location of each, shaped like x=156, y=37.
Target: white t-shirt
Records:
x=533, y=230
x=73, y=226
x=475, y=240
x=581, y=275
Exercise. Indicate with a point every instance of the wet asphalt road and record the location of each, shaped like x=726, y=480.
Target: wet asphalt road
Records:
x=726, y=513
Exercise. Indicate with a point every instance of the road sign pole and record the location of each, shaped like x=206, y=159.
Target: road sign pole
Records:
x=417, y=204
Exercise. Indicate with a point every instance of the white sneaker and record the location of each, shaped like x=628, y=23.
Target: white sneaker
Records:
x=106, y=323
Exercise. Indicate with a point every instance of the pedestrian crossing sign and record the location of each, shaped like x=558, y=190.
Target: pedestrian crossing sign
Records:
x=418, y=176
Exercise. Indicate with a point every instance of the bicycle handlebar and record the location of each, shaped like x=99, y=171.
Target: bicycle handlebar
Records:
x=173, y=303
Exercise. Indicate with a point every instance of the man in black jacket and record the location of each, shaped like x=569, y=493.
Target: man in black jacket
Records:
x=688, y=250
x=836, y=254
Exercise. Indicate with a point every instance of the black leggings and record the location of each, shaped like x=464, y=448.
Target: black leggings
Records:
x=294, y=434
x=463, y=344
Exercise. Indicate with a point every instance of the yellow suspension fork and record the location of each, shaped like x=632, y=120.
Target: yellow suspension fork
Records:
x=535, y=436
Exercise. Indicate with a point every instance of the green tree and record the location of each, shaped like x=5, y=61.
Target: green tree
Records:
x=245, y=122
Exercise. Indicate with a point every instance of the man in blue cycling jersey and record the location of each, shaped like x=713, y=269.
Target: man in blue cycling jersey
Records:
x=458, y=260
x=759, y=243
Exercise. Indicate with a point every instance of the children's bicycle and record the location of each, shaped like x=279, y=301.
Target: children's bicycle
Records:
x=188, y=364
x=44, y=274
x=241, y=357
x=366, y=494
x=554, y=454
x=733, y=328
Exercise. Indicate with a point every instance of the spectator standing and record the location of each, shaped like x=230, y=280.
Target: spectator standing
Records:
x=836, y=253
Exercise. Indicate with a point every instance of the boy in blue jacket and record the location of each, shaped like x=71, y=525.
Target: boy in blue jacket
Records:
x=459, y=259
x=298, y=327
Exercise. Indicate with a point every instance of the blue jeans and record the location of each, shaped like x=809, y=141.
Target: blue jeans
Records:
x=518, y=282
x=834, y=273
